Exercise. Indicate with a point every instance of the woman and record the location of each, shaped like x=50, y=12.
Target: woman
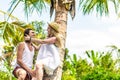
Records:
x=48, y=56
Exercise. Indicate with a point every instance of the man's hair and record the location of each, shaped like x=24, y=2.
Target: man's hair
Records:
x=26, y=32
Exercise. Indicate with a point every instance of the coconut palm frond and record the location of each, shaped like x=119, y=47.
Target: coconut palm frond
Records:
x=88, y=6
x=48, y=1
x=29, y=6
x=72, y=10
x=2, y=24
x=22, y=25
x=8, y=14
x=8, y=32
x=19, y=23
x=5, y=37
x=101, y=6
x=26, y=8
x=51, y=7
x=113, y=47
x=15, y=4
x=116, y=4
x=39, y=6
x=17, y=38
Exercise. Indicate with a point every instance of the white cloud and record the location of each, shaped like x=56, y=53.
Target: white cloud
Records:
x=115, y=30
x=79, y=41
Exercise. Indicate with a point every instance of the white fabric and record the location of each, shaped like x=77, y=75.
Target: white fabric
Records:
x=49, y=55
x=27, y=57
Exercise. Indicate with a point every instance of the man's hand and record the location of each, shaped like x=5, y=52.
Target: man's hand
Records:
x=33, y=73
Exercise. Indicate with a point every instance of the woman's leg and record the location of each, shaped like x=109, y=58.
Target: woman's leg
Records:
x=39, y=70
x=34, y=78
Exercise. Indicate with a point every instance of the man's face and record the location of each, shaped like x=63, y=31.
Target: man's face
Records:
x=32, y=33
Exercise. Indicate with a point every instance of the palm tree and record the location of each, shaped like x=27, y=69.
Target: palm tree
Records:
x=12, y=32
x=62, y=8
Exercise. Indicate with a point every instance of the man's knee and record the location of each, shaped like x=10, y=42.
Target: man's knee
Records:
x=22, y=74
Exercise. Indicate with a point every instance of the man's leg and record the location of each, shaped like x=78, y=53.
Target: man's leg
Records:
x=21, y=74
x=39, y=71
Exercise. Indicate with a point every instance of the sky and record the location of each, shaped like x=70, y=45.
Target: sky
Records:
x=85, y=32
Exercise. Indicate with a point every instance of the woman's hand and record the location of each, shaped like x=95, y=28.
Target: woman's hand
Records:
x=27, y=38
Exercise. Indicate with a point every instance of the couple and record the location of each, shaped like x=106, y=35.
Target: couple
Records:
x=48, y=55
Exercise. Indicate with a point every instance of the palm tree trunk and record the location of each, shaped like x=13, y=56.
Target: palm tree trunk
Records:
x=61, y=18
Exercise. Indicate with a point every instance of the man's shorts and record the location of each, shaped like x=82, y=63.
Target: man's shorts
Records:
x=28, y=76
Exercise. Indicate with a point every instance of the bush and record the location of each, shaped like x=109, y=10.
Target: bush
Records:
x=6, y=76
x=103, y=68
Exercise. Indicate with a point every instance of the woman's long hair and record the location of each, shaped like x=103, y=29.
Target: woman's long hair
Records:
x=56, y=34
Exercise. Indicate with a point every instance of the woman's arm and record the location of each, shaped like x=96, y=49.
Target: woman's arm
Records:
x=50, y=40
x=45, y=41
x=35, y=46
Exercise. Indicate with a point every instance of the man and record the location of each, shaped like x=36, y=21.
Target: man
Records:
x=25, y=52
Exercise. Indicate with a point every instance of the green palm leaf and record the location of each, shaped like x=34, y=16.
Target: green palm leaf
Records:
x=8, y=32
x=29, y=6
x=11, y=16
x=17, y=38
x=101, y=6
x=88, y=54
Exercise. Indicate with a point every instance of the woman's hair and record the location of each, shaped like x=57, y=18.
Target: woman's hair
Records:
x=26, y=32
x=54, y=33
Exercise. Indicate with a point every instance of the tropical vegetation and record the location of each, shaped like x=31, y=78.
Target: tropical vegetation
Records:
x=102, y=67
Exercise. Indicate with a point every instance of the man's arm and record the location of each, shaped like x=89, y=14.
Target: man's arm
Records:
x=19, y=58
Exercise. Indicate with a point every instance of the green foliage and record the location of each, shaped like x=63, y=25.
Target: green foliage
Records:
x=5, y=76
x=8, y=48
x=94, y=56
x=40, y=32
x=100, y=73
x=29, y=6
x=13, y=32
x=103, y=67
x=69, y=71
x=100, y=6
x=8, y=53
x=6, y=71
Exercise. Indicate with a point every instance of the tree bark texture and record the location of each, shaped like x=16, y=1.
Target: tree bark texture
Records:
x=61, y=18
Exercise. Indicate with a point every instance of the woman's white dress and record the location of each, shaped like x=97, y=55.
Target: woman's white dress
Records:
x=49, y=55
